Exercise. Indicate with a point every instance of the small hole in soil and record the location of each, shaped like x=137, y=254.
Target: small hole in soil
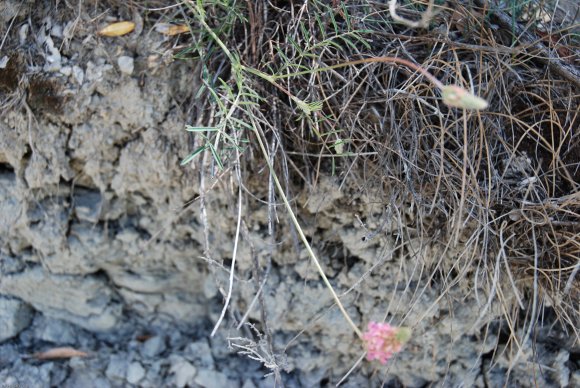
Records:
x=6, y=168
x=9, y=77
x=44, y=95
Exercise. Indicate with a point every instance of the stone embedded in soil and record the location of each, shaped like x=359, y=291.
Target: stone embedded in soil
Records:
x=10, y=206
x=84, y=301
x=8, y=354
x=135, y=373
x=117, y=368
x=561, y=371
x=54, y=330
x=575, y=379
x=86, y=378
x=249, y=384
x=14, y=317
x=88, y=205
x=66, y=71
x=78, y=74
x=200, y=353
x=182, y=371
x=153, y=347
x=211, y=378
x=44, y=225
x=25, y=375
x=126, y=64
x=58, y=376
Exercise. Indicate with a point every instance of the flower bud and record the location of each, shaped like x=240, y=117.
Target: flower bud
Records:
x=458, y=97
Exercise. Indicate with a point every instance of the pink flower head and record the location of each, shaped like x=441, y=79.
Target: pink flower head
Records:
x=382, y=341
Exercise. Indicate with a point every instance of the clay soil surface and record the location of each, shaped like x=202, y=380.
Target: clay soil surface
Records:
x=462, y=226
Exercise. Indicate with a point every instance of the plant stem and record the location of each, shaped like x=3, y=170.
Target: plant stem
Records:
x=303, y=237
x=238, y=74
x=396, y=60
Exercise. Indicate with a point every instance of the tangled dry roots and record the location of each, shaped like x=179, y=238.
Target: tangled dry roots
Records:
x=501, y=186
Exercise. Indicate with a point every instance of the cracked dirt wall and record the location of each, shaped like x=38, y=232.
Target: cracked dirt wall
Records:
x=93, y=231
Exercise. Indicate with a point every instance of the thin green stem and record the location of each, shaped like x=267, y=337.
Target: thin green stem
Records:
x=200, y=16
x=303, y=236
x=238, y=68
x=259, y=73
x=396, y=60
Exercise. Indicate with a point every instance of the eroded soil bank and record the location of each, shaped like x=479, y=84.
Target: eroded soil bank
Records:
x=110, y=247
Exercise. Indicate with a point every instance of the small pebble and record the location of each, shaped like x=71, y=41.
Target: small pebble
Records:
x=210, y=378
x=117, y=368
x=15, y=316
x=249, y=384
x=153, y=347
x=135, y=373
x=66, y=70
x=184, y=373
x=200, y=353
x=126, y=65
x=78, y=74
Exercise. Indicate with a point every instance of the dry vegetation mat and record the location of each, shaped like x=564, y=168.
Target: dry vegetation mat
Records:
x=421, y=157
x=497, y=188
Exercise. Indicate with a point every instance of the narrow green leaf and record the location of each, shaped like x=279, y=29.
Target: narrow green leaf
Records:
x=190, y=128
x=216, y=157
x=192, y=155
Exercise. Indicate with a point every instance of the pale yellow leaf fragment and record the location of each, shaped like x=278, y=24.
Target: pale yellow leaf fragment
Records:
x=117, y=29
x=171, y=29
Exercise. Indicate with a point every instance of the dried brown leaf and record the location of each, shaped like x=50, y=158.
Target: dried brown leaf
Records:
x=58, y=353
x=171, y=29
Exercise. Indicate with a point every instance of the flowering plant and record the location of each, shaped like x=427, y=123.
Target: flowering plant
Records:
x=382, y=340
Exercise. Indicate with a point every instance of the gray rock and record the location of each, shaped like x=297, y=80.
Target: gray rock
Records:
x=126, y=65
x=135, y=373
x=85, y=301
x=58, y=376
x=176, y=340
x=10, y=206
x=117, y=368
x=182, y=371
x=79, y=74
x=153, y=347
x=211, y=378
x=25, y=375
x=66, y=71
x=561, y=370
x=9, y=264
x=4, y=61
x=86, y=378
x=88, y=205
x=45, y=222
x=575, y=379
x=85, y=242
x=54, y=59
x=15, y=316
x=200, y=353
x=249, y=384
x=8, y=354
x=154, y=374
x=312, y=378
x=54, y=330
